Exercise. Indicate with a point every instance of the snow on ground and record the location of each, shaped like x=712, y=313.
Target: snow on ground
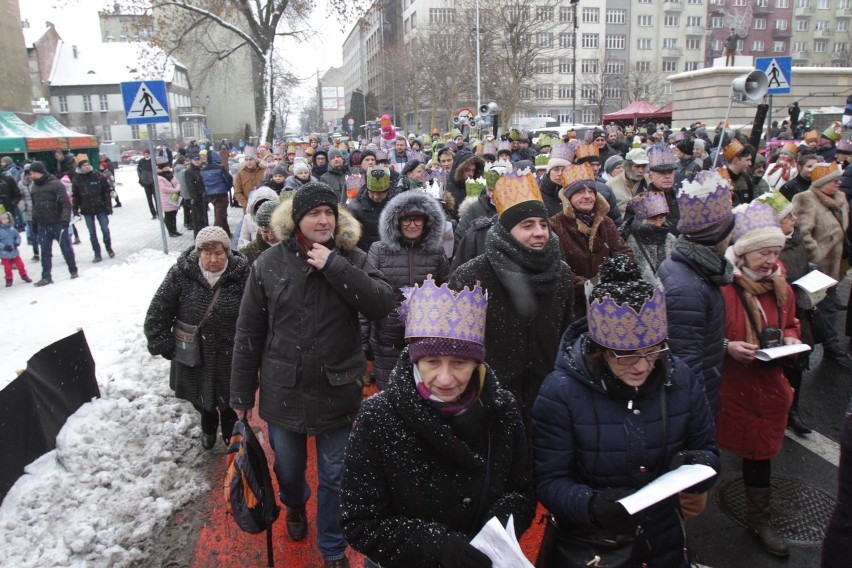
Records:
x=122, y=464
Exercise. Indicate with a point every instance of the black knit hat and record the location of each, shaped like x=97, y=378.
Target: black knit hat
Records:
x=410, y=166
x=38, y=167
x=686, y=146
x=311, y=195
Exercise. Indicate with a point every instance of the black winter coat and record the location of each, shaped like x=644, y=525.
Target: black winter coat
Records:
x=796, y=185
x=254, y=249
x=586, y=440
x=91, y=193
x=10, y=193
x=413, y=478
x=482, y=207
x=66, y=166
x=550, y=195
x=472, y=243
x=838, y=533
x=696, y=313
x=144, y=173
x=297, y=335
x=185, y=295
x=51, y=205
x=367, y=212
x=337, y=180
x=195, y=184
x=404, y=264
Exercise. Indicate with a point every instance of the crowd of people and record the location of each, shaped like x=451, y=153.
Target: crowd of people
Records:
x=553, y=320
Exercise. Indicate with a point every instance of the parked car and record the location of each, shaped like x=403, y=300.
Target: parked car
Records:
x=131, y=157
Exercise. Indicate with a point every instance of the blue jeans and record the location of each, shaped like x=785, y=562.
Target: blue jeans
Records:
x=103, y=221
x=46, y=235
x=291, y=461
x=32, y=235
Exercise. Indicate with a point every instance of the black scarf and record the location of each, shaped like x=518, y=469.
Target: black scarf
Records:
x=524, y=272
x=714, y=266
x=587, y=218
x=651, y=241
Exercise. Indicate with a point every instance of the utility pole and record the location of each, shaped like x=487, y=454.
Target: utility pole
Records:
x=319, y=103
x=478, y=82
x=574, y=4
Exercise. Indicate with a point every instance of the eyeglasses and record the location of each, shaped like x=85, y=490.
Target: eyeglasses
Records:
x=631, y=359
x=412, y=221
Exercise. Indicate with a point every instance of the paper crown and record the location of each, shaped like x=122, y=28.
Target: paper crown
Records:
x=585, y=151
x=80, y=158
x=381, y=156
x=474, y=187
x=790, y=148
x=489, y=148
x=649, y=204
x=437, y=176
x=541, y=161
x=378, y=179
x=612, y=129
x=430, y=311
x=731, y=150
x=576, y=174
x=778, y=202
x=355, y=181
x=291, y=149
x=823, y=173
x=503, y=146
x=834, y=131
x=418, y=156
x=844, y=147
x=433, y=189
x=562, y=151
x=545, y=140
x=301, y=154
x=753, y=216
x=811, y=136
x=514, y=188
x=619, y=326
x=495, y=171
x=514, y=135
x=661, y=159
x=703, y=201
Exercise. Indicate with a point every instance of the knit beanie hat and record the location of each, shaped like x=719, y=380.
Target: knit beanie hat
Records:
x=824, y=173
x=212, y=235
x=281, y=170
x=686, y=146
x=334, y=153
x=756, y=226
x=38, y=167
x=311, y=195
x=613, y=162
x=264, y=215
x=300, y=166
x=437, y=346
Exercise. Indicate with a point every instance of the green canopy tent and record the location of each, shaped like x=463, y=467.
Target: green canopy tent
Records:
x=78, y=142
x=16, y=130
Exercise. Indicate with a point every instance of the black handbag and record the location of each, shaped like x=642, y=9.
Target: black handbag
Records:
x=187, y=340
x=582, y=549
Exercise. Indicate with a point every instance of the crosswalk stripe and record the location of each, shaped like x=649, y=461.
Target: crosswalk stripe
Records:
x=825, y=448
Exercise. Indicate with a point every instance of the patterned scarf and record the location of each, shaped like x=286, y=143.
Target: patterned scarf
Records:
x=465, y=401
x=752, y=286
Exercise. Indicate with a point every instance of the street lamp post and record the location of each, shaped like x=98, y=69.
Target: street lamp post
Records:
x=364, y=103
x=574, y=65
x=478, y=87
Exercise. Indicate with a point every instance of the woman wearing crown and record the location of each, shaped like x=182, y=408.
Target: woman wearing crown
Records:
x=616, y=413
x=442, y=450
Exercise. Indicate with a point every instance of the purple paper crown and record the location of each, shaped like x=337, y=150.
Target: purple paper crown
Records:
x=430, y=311
x=661, y=157
x=649, y=204
x=301, y=154
x=844, y=146
x=419, y=156
x=612, y=129
x=703, y=201
x=381, y=155
x=376, y=140
x=489, y=148
x=619, y=327
x=504, y=145
x=438, y=176
x=563, y=151
x=355, y=181
x=753, y=216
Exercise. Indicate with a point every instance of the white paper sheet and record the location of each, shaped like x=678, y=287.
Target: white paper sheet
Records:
x=781, y=351
x=501, y=545
x=814, y=281
x=666, y=485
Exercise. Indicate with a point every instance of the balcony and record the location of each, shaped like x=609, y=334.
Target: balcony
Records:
x=761, y=11
x=840, y=57
x=697, y=30
x=823, y=34
x=801, y=59
x=805, y=12
x=672, y=52
x=672, y=7
x=803, y=54
x=843, y=13
x=782, y=34
x=191, y=111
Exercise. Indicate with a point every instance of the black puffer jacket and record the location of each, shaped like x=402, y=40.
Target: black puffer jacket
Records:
x=91, y=193
x=412, y=479
x=472, y=244
x=51, y=205
x=456, y=181
x=185, y=295
x=481, y=207
x=337, y=180
x=297, y=334
x=404, y=264
x=367, y=212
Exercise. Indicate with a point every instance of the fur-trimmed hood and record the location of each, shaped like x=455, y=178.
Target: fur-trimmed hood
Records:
x=262, y=192
x=478, y=172
x=347, y=232
x=405, y=202
x=601, y=209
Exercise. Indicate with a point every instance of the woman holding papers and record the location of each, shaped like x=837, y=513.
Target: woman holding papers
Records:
x=618, y=412
x=760, y=312
x=442, y=450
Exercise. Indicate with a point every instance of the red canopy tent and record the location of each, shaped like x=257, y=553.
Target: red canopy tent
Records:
x=639, y=110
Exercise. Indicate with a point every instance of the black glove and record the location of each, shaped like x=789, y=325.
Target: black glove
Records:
x=8, y=248
x=609, y=515
x=458, y=553
x=690, y=457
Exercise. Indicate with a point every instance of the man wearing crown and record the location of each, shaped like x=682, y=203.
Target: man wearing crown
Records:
x=529, y=288
x=737, y=171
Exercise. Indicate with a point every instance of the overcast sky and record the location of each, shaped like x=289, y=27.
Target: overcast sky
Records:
x=77, y=23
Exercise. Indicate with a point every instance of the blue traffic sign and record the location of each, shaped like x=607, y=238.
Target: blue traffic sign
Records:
x=779, y=71
x=145, y=102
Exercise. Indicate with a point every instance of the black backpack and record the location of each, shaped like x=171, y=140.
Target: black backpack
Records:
x=248, y=487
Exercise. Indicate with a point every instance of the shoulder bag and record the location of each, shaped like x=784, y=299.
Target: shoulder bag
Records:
x=187, y=340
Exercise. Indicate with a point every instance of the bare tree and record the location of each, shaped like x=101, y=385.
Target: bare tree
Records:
x=604, y=81
x=642, y=84
x=309, y=117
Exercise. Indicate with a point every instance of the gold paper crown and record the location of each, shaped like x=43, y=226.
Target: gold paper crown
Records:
x=811, y=136
x=577, y=173
x=584, y=151
x=514, y=188
x=731, y=150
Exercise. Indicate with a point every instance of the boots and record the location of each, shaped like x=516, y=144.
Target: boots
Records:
x=758, y=521
x=794, y=423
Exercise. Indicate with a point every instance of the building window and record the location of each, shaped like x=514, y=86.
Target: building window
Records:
x=670, y=43
x=566, y=92
x=821, y=25
x=591, y=15
x=823, y=4
x=566, y=14
x=566, y=40
x=643, y=66
x=134, y=131
x=820, y=46
x=757, y=45
x=782, y=3
x=759, y=24
x=616, y=16
x=526, y=93
x=103, y=103
x=717, y=22
x=590, y=41
x=671, y=21
x=612, y=93
x=803, y=3
x=441, y=15
x=694, y=21
x=799, y=46
x=87, y=103
x=566, y=66
x=717, y=45
x=779, y=46
x=645, y=20
x=695, y=2
x=588, y=92
x=762, y=3
x=565, y=116
x=543, y=66
x=63, y=103
x=841, y=47
x=589, y=66
x=544, y=92
x=544, y=39
x=589, y=116
x=668, y=89
x=781, y=24
x=107, y=133
x=413, y=20
x=693, y=43
x=801, y=25
x=843, y=25
x=615, y=41
x=544, y=13
x=643, y=43
x=692, y=66
x=614, y=68
x=739, y=2
x=669, y=66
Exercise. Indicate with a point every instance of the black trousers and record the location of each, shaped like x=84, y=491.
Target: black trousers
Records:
x=149, y=194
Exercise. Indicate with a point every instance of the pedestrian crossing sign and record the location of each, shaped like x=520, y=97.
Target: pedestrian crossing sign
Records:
x=779, y=72
x=145, y=102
